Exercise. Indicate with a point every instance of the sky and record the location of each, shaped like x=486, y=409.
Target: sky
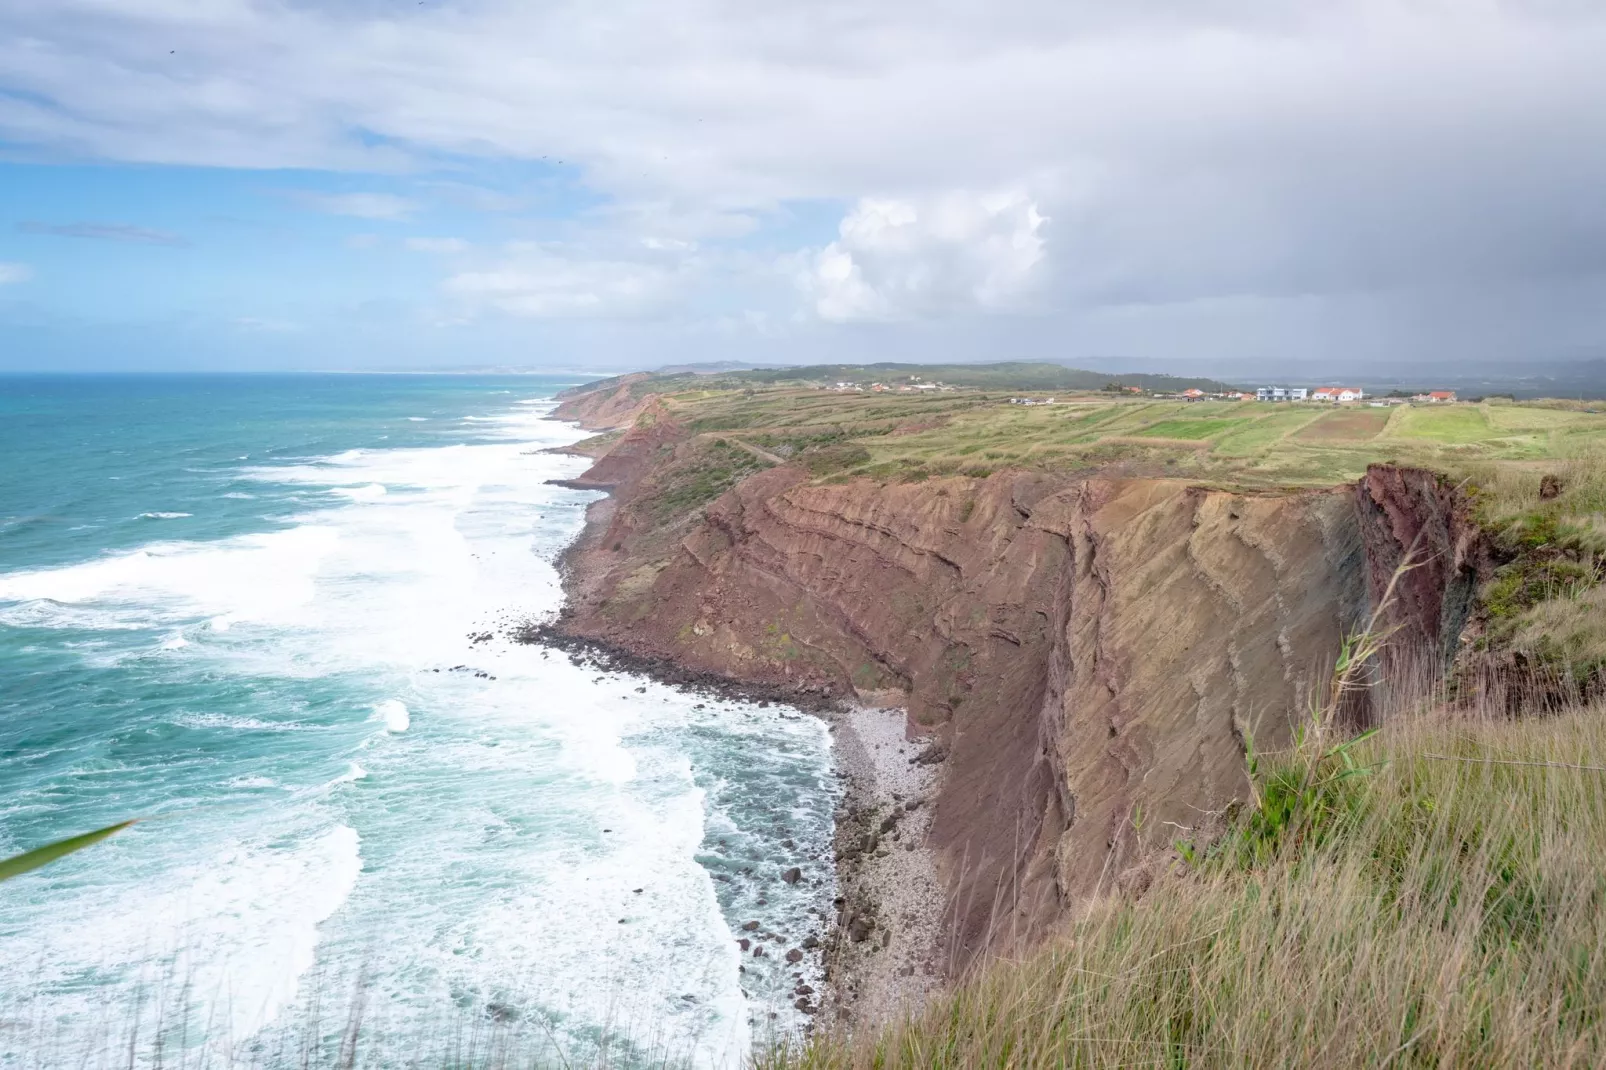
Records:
x=348, y=184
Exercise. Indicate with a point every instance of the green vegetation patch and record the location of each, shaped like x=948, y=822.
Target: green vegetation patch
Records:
x=1192, y=430
x=840, y=457
x=701, y=472
x=1449, y=424
x=1266, y=431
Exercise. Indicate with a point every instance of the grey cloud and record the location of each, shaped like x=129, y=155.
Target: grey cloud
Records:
x=118, y=232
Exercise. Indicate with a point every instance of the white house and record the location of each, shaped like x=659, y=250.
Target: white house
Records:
x=1281, y=393
x=1337, y=393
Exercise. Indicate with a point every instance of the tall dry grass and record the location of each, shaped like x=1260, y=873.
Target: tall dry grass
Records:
x=1450, y=912
x=341, y=1024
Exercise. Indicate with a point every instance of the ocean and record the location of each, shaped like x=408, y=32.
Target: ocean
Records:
x=252, y=612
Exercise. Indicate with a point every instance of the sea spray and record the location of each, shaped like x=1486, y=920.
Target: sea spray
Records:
x=394, y=713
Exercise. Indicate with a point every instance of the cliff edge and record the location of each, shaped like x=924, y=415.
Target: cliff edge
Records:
x=1086, y=654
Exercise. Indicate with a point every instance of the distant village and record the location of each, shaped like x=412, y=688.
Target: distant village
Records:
x=1338, y=395
x=913, y=386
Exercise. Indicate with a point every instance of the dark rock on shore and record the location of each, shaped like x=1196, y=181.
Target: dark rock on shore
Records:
x=607, y=657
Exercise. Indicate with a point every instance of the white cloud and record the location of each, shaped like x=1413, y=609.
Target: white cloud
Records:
x=10, y=273
x=903, y=259
x=543, y=282
x=444, y=246
x=360, y=205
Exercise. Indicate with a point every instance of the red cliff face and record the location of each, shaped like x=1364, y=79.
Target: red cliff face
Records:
x=602, y=410
x=1090, y=652
x=651, y=428
x=1417, y=518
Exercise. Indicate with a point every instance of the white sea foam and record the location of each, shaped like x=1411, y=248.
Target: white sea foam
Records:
x=366, y=493
x=176, y=641
x=353, y=773
x=418, y=419
x=250, y=578
x=162, y=516
x=494, y=798
x=239, y=494
x=234, y=721
x=238, y=928
x=394, y=714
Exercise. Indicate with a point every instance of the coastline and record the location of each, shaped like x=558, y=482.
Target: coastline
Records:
x=882, y=952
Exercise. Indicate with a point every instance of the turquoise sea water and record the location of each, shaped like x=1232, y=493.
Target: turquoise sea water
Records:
x=242, y=608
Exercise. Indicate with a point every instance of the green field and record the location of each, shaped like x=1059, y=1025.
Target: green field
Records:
x=1448, y=424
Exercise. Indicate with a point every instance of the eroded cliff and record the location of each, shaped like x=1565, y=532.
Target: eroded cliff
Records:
x=1088, y=652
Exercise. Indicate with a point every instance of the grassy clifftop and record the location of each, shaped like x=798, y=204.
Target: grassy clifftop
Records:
x=1506, y=448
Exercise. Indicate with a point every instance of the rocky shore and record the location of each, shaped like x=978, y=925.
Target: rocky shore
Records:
x=886, y=954
x=883, y=952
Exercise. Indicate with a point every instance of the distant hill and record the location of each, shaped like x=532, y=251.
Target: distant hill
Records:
x=1013, y=375
x=712, y=367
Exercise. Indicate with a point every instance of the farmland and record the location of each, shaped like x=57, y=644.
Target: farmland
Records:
x=904, y=437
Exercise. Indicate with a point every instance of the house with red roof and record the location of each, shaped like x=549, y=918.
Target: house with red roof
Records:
x=1337, y=393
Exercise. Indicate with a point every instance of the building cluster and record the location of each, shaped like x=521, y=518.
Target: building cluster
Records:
x=914, y=386
x=1346, y=394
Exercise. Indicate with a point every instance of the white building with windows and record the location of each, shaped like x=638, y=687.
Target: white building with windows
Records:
x=1337, y=393
x=1281, y=393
